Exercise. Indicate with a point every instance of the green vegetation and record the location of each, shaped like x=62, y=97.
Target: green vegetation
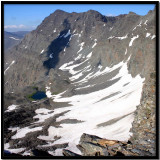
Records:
x=53, y=93
x=30, y=96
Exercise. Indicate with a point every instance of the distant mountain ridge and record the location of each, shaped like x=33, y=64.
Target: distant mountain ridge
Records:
x=13, y=38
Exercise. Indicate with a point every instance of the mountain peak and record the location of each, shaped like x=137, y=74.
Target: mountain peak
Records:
x=132, y=13
x=59, y=11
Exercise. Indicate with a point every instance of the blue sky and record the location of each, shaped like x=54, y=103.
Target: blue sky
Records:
x=18, y=17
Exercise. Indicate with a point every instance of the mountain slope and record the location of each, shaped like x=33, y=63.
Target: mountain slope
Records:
x=92, y=68
x=12, y=38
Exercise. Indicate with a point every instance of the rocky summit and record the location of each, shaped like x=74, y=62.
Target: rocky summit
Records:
x=82, y=84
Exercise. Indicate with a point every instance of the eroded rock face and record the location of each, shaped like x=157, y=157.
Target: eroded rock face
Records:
x=94, y=70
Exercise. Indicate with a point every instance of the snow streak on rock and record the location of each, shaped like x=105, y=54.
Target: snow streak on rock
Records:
x=9, y=66
x=42, y=51
x=81, y=47
x=132, y=39
x=94, y=43
x=14, y=38
x=68, y=33
x=148, y=34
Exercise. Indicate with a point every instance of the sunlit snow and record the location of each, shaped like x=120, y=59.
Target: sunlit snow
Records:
x=23, y=131
x=14, y=38
x=81, y=47
x=42, y=51
x=17, y=150
x=132, y=39
x=148, y=34
x=92, y=110
x=11, y=108
x=146, y=22
x=153, y=36
x=95, y=43
x=9, y=66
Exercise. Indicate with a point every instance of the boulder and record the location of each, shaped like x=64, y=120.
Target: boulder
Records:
x=69, y=153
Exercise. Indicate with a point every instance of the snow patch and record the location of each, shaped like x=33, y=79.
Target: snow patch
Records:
x=89, y=55
x=43, y=114
x=94, y=43
x=51, y=55
x=111, y=37
x=148, y=34
x=23, y=131
x=146, y=22
x=14, y=38
x=81, y=46
x=17, y=150
x=124, y=37
x=153, y=36
x=110, y=28
x=132, y=39
x=67, y=34
x=11, y=108
x=42, y=51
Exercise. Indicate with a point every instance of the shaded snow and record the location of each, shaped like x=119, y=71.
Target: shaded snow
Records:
x=51, y=55
x=67, y=34
x=110, y=28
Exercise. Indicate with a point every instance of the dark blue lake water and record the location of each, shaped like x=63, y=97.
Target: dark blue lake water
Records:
x=39, y=95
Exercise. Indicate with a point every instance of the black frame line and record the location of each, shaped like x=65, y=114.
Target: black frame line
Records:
x=82, y=2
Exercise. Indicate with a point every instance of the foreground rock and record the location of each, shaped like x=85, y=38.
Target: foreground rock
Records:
x=91, y=145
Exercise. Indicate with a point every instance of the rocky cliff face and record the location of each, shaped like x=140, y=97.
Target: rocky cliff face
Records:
x=95, y=71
